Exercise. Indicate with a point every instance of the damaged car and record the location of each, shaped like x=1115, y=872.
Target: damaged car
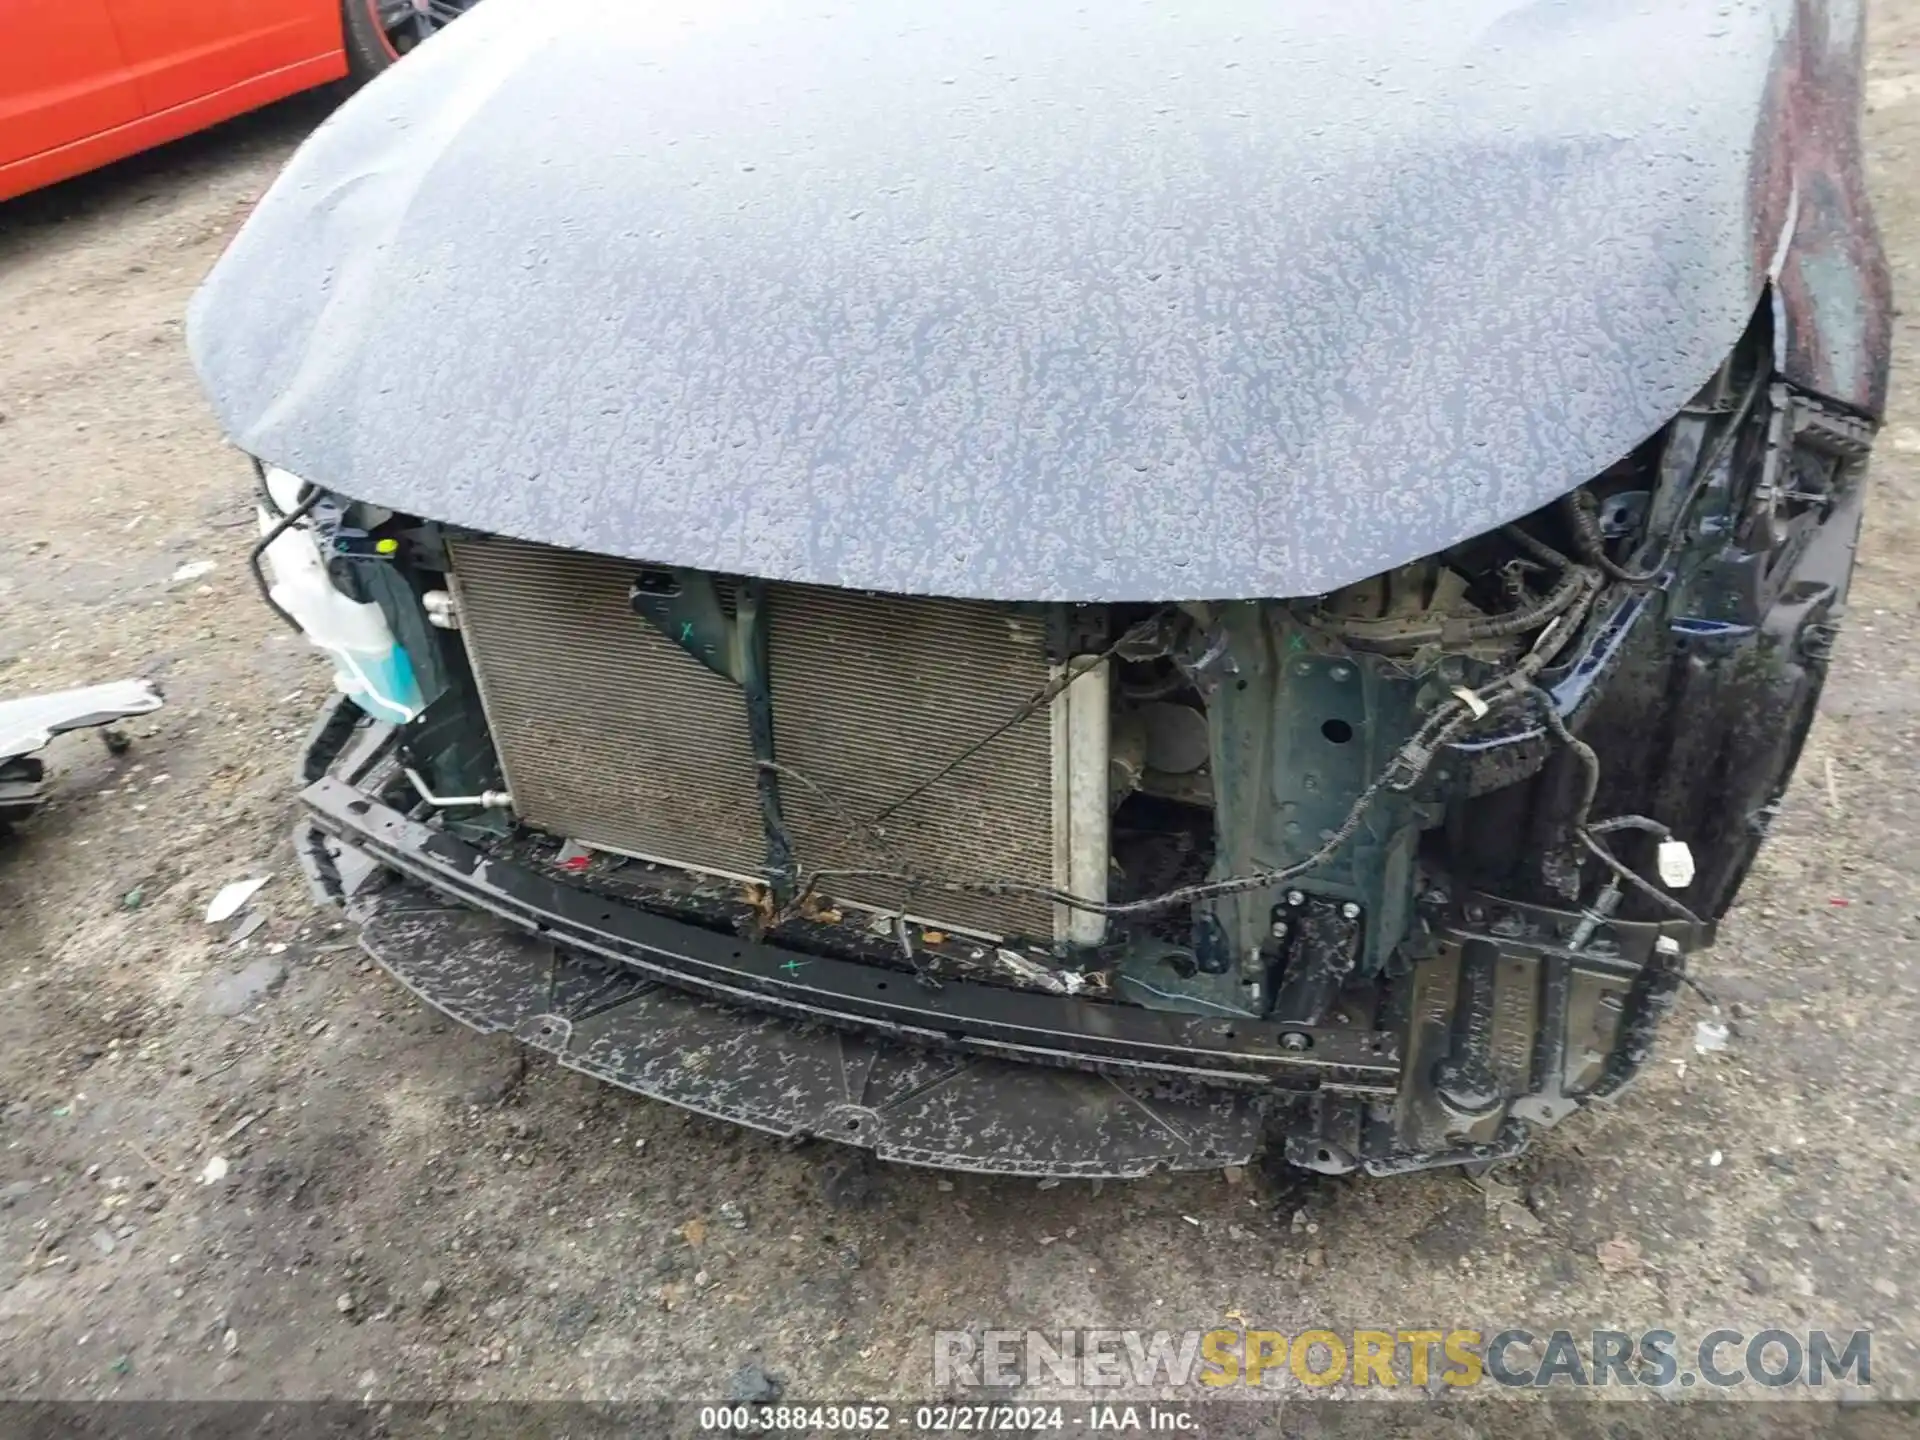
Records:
x=1067, y=592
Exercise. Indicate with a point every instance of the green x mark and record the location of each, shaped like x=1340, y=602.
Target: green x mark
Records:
x=793, y=965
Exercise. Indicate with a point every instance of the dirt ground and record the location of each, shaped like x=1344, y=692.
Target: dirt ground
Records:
x=411, y=1211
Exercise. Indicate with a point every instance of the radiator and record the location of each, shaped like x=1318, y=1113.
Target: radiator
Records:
x=610, y=734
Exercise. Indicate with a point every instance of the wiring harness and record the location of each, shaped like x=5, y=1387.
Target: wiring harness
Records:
x=1556, y=616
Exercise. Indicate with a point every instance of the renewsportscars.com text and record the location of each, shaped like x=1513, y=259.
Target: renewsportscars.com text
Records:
x=1420, y=1358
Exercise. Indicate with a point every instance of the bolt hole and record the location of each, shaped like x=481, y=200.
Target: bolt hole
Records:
x=853, y=1125
x=1338, y=731
x=881, y=986
x=1326, y=1156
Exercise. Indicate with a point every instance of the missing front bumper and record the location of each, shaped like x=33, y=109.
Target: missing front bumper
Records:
x=973, y=1076
x=966, y=1076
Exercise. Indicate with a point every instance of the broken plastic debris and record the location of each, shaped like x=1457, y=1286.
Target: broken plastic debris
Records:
x=1675, y=864
x=1060, y=982
x=1472, y=701
x=812, y=907
x=231, y=898
x=574, y=856
x=215, y=1172
x=1709, y=1036
x=192, y=570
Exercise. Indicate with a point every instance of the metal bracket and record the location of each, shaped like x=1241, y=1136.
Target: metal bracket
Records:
x=685, y=606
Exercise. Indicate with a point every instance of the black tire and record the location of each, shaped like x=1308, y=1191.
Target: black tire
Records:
x=379, y=32
x=368, y=49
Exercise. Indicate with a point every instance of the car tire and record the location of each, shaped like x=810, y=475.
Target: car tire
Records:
x=373, y=44
x=368, y=49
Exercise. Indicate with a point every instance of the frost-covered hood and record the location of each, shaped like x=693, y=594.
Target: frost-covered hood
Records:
x=1025, y=299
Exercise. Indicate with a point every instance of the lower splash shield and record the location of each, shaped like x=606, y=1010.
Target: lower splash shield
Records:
x=907, y=1104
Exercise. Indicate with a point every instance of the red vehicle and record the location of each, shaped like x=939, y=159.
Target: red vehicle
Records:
x=86, y=82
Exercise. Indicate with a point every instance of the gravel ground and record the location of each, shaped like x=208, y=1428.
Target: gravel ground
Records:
x=412, y=1211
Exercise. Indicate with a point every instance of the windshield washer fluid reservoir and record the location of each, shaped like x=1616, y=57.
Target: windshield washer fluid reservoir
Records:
x=368, y=667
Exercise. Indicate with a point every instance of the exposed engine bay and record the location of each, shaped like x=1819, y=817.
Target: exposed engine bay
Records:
x=1393, y=876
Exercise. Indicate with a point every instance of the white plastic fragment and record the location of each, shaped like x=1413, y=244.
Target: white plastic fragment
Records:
x=192, y=570
x=1709, y=1036
x=232, y=898
x=215, y=1172
x=1060, y=982
x=1472, y=701
x=1675, y=863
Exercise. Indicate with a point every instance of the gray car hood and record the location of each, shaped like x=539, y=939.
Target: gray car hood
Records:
x=1025, y=299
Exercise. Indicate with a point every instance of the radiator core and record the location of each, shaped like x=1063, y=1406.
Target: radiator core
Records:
x=611, y=734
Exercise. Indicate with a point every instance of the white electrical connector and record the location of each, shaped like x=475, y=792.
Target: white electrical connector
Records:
x=1675, y=864
x=441, y=613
